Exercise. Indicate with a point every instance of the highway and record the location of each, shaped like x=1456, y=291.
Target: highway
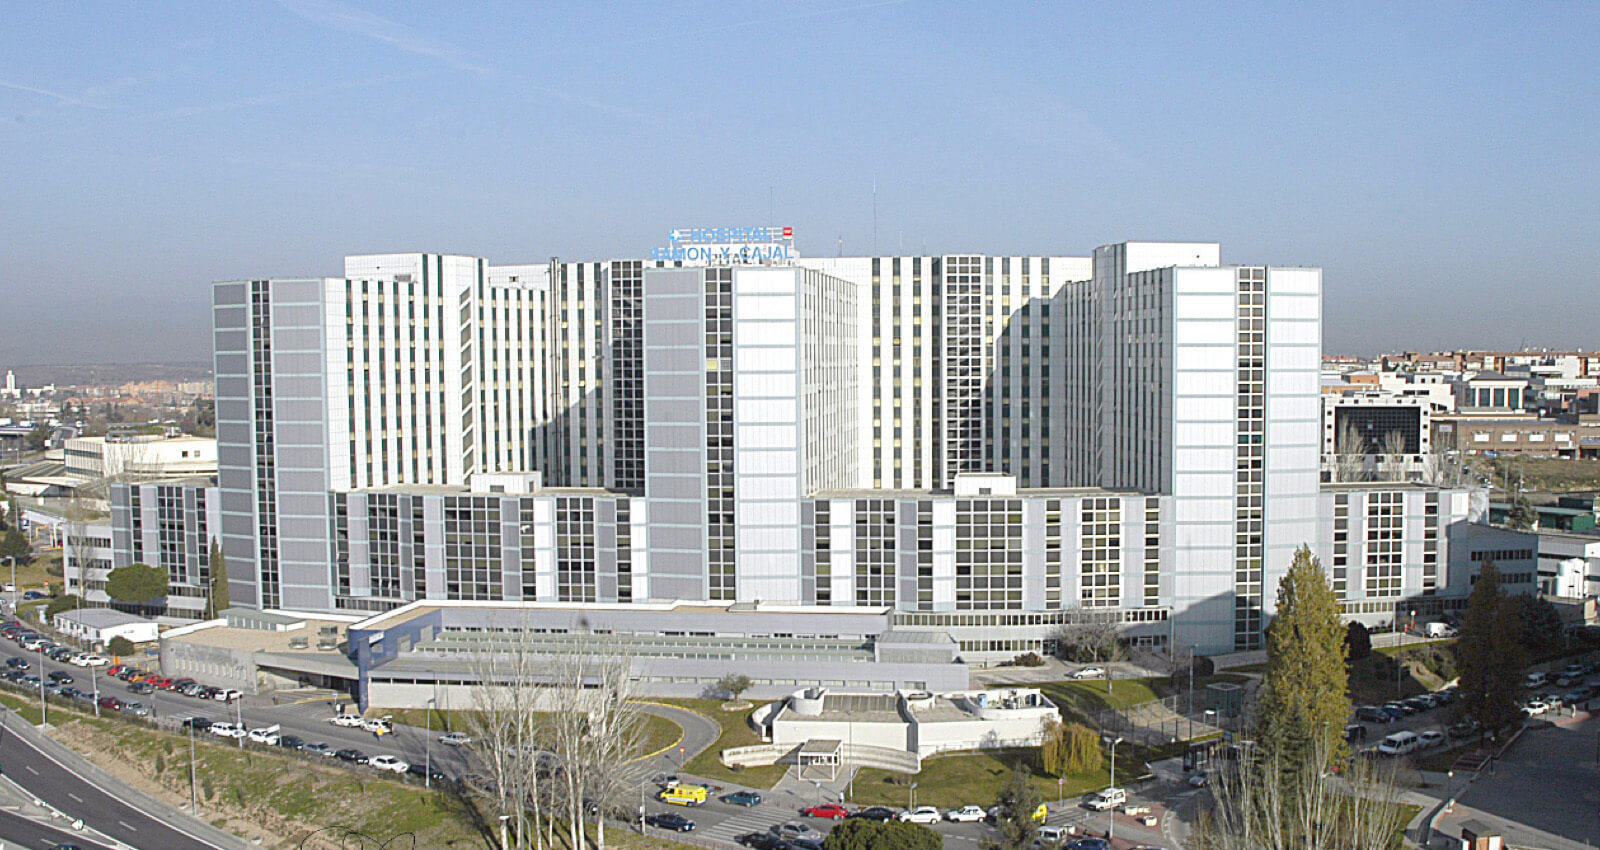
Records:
x=30, y=766
x=18, y=831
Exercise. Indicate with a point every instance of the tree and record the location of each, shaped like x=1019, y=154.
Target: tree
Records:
x=1015, y=827
x=56, y=605
x=1522, y=516
x=15, y=545
x=1357, y=641
x=38, y=437
x=1541, y=623
x=1350, y=454
x=218, y=600
x=78, y=553
x=734, y=684
x=1269, y=806
x=139, y=584
x=120, y=645
x=1303, y=702
x=1069, y=748
x=1489, y=653
x=863, y=834
x=1394, y=455
x=1090, y=635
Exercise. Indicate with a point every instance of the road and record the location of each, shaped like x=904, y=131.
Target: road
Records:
x=19, y=831
x=76, y=796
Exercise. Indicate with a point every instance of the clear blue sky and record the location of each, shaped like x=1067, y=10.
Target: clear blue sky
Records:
x=1440, y=161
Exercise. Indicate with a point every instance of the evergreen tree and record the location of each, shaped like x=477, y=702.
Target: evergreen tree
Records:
x=1489, y=653
x=1303, y=703
x=1522, y=516
x=14, y=544
x=1016, y=829
x=219, y=580
x=1357, y=641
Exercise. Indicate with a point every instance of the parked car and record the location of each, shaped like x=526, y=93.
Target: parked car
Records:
x=881, y=814
x=761, y=841
x=922, y=814
x=1089, y=673
x=1089, y=844
x=1355, y=732
x=799, y=831
x=828, y=810
x=109, y=703
x=16, y=663
x=345, y=720
x=61, y=677
x=268, y=736
x=136, y=708
x=965, y=814
x=378, y=725
x=228, y=730
x=91, y=660
x=1199, y=779
x=142, y=688
x=669, y=821
x=422, y=771
x=455, y=739
x=351, y=754
x=1430, y=738
x=227, y=695
x=1399, y=744
x=389, y=763
x=197, y=723
x=291, y=742
x=743, y=798
x=318, y=748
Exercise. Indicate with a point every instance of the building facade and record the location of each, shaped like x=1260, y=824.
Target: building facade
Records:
x=983, y=446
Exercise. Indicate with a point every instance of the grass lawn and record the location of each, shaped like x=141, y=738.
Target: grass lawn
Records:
x=736, y=732
x=658, y=733
x=1084, y=700
x=951, y=781
x=46, y=566
x=1407, y=813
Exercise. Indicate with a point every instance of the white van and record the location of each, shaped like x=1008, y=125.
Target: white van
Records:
x=1536, y=680
x=1055, y=834
x=1399, y=744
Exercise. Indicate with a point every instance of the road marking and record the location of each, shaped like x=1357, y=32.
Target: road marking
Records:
x=29, y=768
x=128, y=826
x=74, y=796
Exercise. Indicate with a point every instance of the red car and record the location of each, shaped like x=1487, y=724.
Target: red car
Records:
x=159, y=681
x=115, y=670
x=826, y=810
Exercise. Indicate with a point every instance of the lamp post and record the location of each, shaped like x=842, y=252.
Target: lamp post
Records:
x=44, y=711
x=194, y=803
x=912, y=797
x=1450, y=791
x=1111, y=813
x=94, y=688
x=427, y=751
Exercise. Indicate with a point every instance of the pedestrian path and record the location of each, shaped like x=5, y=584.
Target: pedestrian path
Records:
x=760, y=818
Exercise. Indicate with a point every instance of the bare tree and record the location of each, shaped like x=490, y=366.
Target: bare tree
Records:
x=1090, y=635
x=1259, y=806
x=505, y=724
x=1444, y=468
x=1395, y=458
x=77, y=552
x=1349, y=454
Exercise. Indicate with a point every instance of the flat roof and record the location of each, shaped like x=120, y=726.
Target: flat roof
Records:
x=257, y=640
x=103, y=618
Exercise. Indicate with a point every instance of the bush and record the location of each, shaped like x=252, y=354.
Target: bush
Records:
x=1204, y=666
x=70, y=602
x=120, y=645
x=1028, y=659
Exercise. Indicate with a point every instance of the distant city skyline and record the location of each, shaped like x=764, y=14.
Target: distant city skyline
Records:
x=1437, y=162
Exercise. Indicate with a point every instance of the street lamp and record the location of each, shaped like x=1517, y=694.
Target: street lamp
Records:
x=1450, y=791
x=194, y=803
x=912, y=800
x=427, y=751
x=1111, y=813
